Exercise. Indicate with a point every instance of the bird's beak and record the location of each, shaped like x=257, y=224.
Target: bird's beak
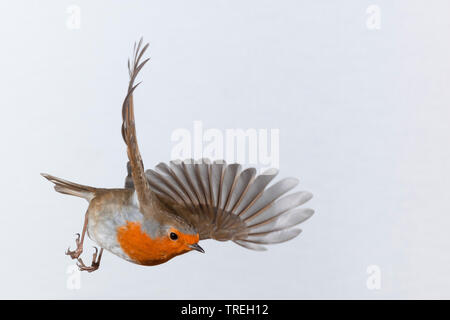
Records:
x=195, y=246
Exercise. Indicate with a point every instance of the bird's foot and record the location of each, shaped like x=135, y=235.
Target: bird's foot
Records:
x=77, y=252
x=95, y=262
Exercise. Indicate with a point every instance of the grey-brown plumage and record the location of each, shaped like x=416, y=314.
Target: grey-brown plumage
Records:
x=223, y=203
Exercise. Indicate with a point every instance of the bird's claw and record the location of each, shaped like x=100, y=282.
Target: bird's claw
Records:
x=94, y=265
x=77, y=252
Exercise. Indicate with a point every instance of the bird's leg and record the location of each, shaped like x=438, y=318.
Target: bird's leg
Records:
x=77, y=252
x=95, y=262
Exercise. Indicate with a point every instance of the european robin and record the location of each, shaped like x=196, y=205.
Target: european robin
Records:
x=163, y=213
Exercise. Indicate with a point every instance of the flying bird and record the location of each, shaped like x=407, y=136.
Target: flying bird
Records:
x=162, y=213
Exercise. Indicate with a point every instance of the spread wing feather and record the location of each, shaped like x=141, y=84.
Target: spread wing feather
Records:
x=136, y=176
x=225, y=203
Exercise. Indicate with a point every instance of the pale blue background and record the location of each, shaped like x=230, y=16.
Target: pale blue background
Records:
x=363, y=118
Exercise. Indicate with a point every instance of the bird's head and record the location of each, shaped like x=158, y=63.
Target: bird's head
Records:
x=179, y=241
x=180, y=237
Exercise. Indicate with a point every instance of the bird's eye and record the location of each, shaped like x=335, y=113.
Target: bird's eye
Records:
x=173, y=236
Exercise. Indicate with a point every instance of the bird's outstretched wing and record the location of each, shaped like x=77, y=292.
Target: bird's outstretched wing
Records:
x=223, y=203
x=140, y=182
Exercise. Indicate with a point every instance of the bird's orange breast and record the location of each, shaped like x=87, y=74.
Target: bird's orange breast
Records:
x=143, y=249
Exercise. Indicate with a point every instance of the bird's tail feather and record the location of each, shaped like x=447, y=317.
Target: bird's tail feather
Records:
x=71, y=188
